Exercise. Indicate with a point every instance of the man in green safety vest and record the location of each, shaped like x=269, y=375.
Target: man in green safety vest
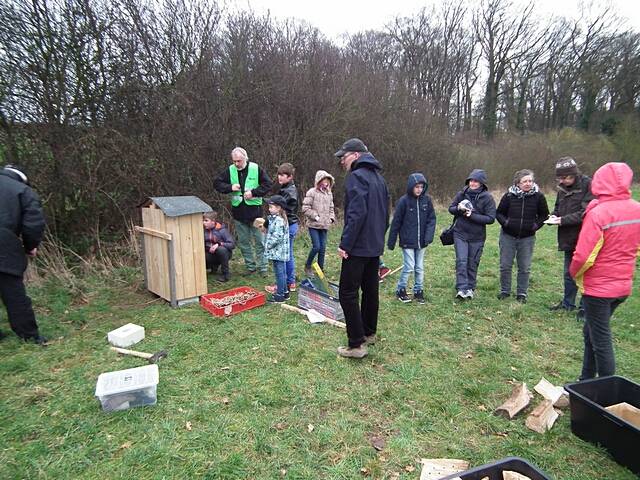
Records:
x=247, y=183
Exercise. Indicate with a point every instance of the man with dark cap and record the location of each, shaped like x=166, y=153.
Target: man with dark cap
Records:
x=574, y=194
x=21, y=229
x=366, y=219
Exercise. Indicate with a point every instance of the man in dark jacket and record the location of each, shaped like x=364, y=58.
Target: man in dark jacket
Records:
x=473, y=208
x=415, y=221
x=21, y=230
x=574, y=194
x=521, y=212
x=366, y=219
x=246, y=183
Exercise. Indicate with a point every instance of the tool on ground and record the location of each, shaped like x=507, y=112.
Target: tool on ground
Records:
x=394, y=271
x=150, y=357
x=314, y=316
x=321, y=277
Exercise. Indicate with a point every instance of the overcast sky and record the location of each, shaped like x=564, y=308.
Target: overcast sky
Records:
x=336, y=17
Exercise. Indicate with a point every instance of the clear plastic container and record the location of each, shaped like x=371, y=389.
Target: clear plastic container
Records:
x=123, y=389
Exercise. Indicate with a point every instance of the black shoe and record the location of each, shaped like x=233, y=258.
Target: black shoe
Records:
x=503, y=295
x=38, y=340
x=521, y=298
x=580, y=315
x=277, y=299
x=402, y=296
x=561, y=306
x=223, y=278
x=215, y=269
x=419, y=297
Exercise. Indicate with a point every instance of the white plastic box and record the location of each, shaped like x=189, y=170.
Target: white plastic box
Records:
x=126, y=335
x=130, y=388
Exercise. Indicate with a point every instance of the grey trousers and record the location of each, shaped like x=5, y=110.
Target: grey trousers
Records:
x=522, y=250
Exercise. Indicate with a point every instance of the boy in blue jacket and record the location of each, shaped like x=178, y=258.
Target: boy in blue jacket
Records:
x=415, y=221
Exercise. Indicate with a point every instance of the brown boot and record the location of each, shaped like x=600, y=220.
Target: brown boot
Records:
x=370, y=339
x=357, y=352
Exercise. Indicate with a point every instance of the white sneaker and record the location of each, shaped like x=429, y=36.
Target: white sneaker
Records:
x=461, y=294
x=468, y=294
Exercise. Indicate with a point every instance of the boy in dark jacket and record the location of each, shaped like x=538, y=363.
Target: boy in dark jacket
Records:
x=287, y=190
x=218, y=245
x=473, y=208
x=521, y=212
x=21, y=229
x=415, y=221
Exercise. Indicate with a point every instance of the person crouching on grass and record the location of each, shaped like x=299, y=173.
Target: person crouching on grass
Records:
x=276, y=246
x=218, y=245
x=415, y=222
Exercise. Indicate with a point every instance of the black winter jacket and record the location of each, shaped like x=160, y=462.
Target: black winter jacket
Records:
x=474, y=227
x=21, y=223
x=290, y=194
x=366, y=209
x=244, y=213
x=521, y=215
x=414, y=218
x=571, y=203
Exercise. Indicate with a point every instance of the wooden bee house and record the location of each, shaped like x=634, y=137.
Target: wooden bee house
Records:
x=173, y=248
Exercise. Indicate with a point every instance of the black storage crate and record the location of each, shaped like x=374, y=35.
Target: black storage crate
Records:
x=591, y=422
x=494, y=470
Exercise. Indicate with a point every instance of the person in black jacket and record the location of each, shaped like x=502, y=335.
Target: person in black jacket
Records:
x=574, y=194
x=415, y=221
x=218, y=245
x=366, y=219
x=521, y=212
x=246, y=183
x=21, y=230
x=473, y=208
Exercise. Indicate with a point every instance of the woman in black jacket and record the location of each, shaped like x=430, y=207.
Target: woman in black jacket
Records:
x=473, y=208
x=521, y=212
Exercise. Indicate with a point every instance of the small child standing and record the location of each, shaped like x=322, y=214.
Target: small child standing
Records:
x=317, y=206
x=415, y=222
x=218, y=245
x=276, y=247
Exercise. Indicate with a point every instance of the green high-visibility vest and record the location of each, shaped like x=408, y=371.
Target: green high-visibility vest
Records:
x=252, y=181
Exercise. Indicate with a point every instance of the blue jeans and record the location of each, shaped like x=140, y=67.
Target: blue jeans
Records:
x=413, y=262
x=598, y=347
x=318, y=246
x=570, y=287
x=522, y=250
x=467, y=260
x=291, y=264
x=280, y=269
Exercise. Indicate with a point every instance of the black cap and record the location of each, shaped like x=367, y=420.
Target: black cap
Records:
x=351, y=145
x=277, y=200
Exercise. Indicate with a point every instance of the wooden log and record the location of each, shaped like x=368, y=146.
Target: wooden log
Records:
x=558, y=395
x=519, y=399
x=436, y=468
x=542, y=418
x=511, y=475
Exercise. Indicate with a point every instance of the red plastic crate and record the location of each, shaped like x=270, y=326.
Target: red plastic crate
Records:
x=258, y=300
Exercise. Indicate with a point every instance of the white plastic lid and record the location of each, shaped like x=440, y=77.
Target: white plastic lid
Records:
x=111, y=383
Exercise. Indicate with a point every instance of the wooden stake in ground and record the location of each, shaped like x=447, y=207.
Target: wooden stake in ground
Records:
x=436, y=468
x=519, y=399
x=542, y=418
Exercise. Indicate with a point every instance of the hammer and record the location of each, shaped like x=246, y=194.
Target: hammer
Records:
x=150, y=357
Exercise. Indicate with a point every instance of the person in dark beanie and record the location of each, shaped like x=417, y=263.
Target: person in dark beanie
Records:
x=521, y=212
x=21, y=229
x=473, y=208
x=604, y=261
x=366, y=219
x=574, y=194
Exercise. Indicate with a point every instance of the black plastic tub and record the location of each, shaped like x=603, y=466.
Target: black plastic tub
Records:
x=494, y=470
x=591, y=422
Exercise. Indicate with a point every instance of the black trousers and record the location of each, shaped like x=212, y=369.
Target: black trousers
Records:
x=361, y=317
x=18, y=304
x=220, y=258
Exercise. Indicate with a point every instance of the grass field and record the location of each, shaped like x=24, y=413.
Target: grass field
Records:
x=266, y=397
